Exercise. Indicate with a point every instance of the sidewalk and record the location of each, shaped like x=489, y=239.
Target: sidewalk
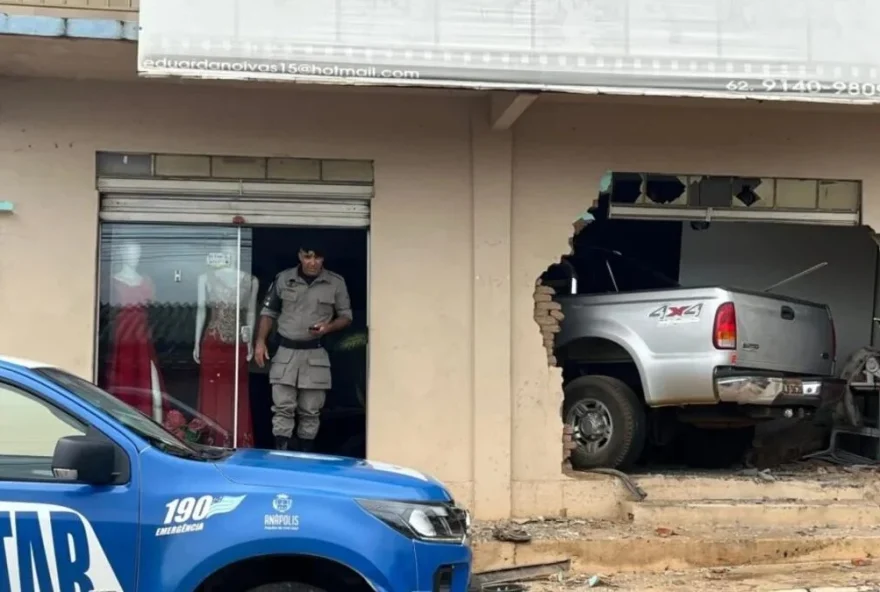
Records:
x=806, y=577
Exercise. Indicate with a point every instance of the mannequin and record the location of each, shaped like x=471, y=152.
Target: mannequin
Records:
x=216, y=342
x=133, y=374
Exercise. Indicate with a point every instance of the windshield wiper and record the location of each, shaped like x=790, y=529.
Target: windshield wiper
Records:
x=173, y=449
x=213, y=452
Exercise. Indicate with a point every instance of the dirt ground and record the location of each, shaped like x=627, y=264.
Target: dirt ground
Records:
x=739, y=579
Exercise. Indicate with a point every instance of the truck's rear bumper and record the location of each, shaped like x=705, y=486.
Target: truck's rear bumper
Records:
x=771, y=389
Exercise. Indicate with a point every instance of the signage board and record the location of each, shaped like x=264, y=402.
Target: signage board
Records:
x=822, y=50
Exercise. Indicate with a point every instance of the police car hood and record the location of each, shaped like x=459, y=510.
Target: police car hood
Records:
x=334, y=475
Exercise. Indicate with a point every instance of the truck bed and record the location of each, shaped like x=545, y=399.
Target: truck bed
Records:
x=669, y=334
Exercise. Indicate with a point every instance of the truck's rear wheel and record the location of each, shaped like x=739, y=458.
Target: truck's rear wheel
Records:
x=608, y=420
x=286, y=587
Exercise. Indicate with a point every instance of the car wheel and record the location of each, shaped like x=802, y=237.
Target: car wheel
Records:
x=608, y=422
x=286, y=587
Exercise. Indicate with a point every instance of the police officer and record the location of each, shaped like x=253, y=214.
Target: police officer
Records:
x=308, y=302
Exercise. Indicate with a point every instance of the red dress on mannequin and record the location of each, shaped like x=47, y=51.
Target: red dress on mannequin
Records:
x=217, y=358
x=132, y=355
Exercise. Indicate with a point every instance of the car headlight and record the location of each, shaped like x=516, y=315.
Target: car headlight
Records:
x=436, y=523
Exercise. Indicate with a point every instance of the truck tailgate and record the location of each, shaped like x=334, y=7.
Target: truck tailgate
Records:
x=783, y=334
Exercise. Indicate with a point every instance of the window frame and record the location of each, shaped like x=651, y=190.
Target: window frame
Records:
x=122, y=461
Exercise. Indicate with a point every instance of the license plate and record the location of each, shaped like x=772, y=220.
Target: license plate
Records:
x=792, y=388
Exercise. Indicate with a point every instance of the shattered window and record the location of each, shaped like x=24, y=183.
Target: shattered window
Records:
x=725, y=192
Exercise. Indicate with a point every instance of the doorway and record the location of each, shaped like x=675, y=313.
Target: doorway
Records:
x=176, y=298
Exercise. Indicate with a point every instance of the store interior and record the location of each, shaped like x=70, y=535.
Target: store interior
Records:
x=162, y=293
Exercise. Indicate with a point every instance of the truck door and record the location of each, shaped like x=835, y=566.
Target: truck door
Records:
x=54, y=535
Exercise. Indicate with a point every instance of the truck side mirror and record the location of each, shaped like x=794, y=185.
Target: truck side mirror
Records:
x=84, y=459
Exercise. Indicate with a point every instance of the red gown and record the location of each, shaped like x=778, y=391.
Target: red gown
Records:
x=131, y=354
x=217, y=358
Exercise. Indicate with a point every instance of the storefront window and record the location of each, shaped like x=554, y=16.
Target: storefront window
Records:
x=179, y=304
x=177, y=312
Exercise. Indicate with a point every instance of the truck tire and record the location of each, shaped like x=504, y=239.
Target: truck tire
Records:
x=286, y=587
x=608, y=420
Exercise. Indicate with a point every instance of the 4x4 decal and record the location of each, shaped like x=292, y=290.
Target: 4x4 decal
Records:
x=677, y=313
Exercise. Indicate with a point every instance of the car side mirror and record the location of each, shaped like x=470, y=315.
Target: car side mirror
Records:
x=84, y=459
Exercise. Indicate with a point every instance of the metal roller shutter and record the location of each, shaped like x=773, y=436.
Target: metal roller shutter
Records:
x=241, y=202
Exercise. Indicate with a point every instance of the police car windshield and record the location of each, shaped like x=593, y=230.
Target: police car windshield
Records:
x=133, y=419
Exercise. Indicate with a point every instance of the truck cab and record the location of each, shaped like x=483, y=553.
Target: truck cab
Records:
x=96, y=496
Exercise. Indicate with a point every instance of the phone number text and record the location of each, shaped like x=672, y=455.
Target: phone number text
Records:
x=806, y=87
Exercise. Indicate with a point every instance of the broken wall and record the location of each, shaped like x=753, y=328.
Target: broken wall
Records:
x=561, y=150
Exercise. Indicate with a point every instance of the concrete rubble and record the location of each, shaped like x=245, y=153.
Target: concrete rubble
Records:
x=808, y=526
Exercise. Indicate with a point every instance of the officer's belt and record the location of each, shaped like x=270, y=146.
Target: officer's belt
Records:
x=299, y=344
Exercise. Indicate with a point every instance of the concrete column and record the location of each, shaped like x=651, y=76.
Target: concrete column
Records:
x=491, y=154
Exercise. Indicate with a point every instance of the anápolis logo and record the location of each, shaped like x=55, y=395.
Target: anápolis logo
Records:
x=51, y=548
x=282, y=503
x=282, y=519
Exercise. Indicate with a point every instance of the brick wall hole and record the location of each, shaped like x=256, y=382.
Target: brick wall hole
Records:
x=548, y=315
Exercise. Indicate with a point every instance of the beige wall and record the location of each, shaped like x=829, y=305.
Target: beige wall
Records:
x=464, y=220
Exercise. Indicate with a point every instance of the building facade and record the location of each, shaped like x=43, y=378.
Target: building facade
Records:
x=464, y=215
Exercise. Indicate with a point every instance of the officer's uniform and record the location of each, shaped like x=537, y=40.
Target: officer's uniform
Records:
x=300, y=369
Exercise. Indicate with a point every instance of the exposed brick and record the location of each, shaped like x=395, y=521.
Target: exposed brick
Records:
x=568, y=443
x=539, y=306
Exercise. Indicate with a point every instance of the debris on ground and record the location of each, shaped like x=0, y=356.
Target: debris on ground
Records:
x=552, y=571
x=511, y=534
x=805, y=469
x=542, y=528
x=637, y=494
x=807, y=576
x=759, y=475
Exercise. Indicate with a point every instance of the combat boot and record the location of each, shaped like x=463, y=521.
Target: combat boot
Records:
x=282, y=443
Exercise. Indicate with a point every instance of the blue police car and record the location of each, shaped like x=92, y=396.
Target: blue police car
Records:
x=95, y=496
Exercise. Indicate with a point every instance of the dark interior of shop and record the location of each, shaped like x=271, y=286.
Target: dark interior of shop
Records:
x=343, y=420
x=173, y=257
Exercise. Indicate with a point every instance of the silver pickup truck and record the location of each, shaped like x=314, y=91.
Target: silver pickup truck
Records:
x=644, y=358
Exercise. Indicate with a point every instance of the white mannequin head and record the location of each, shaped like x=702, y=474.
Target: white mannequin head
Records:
x=129, y=254
x=230, y=249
